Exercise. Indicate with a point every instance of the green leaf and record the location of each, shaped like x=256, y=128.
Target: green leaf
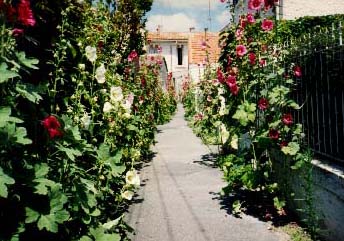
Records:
x=5, y=117
x=57, y=198
x=29, y=92
x=70, y=152
x=61, y=216
x=4, y=181
x=47, y=222
x=100, y=235
x=41, y=170
x=112, y=223
x=85, y=238
x=20, y=135
x=28, y=62
x=291, y=149
x=279, y=204
x=42, y=185
x=6, y=74
x=31, y=215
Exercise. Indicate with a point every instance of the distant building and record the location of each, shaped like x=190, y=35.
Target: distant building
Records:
x=185, y=53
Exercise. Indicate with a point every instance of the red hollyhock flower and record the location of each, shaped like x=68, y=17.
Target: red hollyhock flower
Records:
x=267, y=25
x=241, y=50
x=263, y=104
x=287, y=119
x=25, y=15
x=269, y=4
x=262, y=63
x=250, y=18
x=132, y=56
x=274, y=134
x=255, y=4
x=52, y=125
x=220, y=76
x=231, y=81
x=297, y=71
x=252, y=58
x=243, y=22
x=234, y=89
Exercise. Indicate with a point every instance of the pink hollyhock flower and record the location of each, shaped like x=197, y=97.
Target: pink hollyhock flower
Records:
x=255, y=4
x=25, y=15
x=274, y=134
x=203, y=45
x=243, y=22
x=239, y=33
x=287, y=119
x=252, y=58
x=132, y=56
x=52, y=125
x=241, y=50
x=297, y=71
x=17, y=32
x=234, y=89
x=231, y=81
x=159, y=49
x=264, y=48
x=267, y=25
x=263, y=104
x=250, y=18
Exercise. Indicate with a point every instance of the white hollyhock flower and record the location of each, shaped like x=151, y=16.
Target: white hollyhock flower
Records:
x=234, y=142
x=100, y=74
x=132, y=178
x=126, y=105
x=81, y=66
x=116, y=94
x=91, y=53
x=107, y=107
x=127, y=195
x=86, y=120
x=224, y=133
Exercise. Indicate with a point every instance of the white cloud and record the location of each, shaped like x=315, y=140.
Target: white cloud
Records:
x=179, y=22
x=188, y=3
x=223, y=18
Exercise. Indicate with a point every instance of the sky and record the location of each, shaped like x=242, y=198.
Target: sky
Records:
x=181, y=15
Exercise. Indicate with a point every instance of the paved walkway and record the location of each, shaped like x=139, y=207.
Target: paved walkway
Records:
x=178, y=200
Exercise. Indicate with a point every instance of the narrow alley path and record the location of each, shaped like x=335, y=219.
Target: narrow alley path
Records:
x=179, y=198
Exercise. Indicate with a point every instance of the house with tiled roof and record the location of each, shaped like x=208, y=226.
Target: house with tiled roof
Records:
x=185, y=53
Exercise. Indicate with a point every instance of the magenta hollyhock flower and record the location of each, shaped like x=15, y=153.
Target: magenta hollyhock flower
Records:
x=262, y=62
x=241, y=50
x=252, y=58
x=231, y=81
x=234, y=89
x=52, y=125
x=220, y=76
x=263, y=103
x=297, y=71
x=255, y=4
x=283, y=143
x=287, y=119
x=274, y=134
x=25, y=15
x=132, y=56
x=267, y=25
x=250, y=18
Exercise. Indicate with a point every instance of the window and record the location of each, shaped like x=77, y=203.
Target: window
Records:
x=180, y=54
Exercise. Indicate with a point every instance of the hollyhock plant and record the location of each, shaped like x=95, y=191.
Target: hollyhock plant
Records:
x=241, y=50
x=274, y=134
x=25, y=15
x=52, y=125
x=297, y=71
x=252, y=58
x=267, y=25
x=263, y=104
x=255, y=4
x=287, y=119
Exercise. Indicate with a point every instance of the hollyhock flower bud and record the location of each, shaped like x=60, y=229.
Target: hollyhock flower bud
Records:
x=252, y=58
x=287, y=119
x=267, y=25
x=297, y=71
x=274, y=134
x=241, y=50
x=263, y=104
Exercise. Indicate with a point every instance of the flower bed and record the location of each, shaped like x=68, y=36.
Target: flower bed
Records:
x=78, y=111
